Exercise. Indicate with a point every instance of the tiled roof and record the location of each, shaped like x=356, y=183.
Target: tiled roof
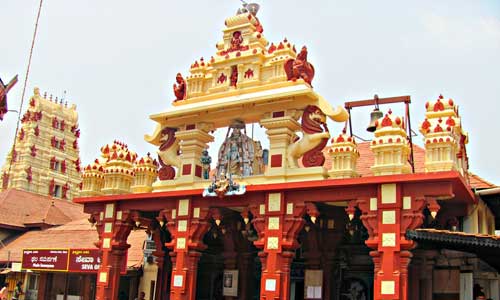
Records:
x=479, y=183
x=23, y=209
x=484, y=246
x=76, y=234
x=366, y=160
x=441, y=234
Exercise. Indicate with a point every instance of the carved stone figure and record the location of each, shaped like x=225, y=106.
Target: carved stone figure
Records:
x=234, y=76
x=300, y=67
x=168, y=156
x=239, y=154
x=179, y=87
x=313, y=141
x=236, y=41
x=205, y=160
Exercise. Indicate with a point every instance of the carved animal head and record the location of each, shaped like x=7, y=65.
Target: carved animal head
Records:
x=312, y=119
x=167, y=138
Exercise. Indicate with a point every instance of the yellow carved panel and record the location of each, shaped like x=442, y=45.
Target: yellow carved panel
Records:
x=183, y=207
x=274, y=223
x=289, y=208
x=388, y=240
x=274, y=203
x=388, y=193
x=108, y=227
x=262, y=209
x=109, y=210
x=373, y=203
x=196, y=212
x=106, y=243
x=103, y=277
x=272, y=243
x=178, y=280
x=387, y=287
x=406, y=202
x=182, y=226
x=389, y=217
x=181, y=243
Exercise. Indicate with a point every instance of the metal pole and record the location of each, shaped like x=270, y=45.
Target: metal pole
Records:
x=412, y=161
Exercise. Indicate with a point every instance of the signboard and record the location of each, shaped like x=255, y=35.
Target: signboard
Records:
x=65, y=260
x=45, y=259
x=84, y=260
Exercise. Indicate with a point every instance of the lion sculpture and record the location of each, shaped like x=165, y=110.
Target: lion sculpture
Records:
x=314, y=140
x=168, y=154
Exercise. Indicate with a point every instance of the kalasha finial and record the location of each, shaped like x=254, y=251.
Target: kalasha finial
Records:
x=252, y=8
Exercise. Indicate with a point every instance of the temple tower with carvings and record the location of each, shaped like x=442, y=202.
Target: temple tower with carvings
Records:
x=46, y=156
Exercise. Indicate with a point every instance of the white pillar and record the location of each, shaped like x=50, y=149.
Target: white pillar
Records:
x=466, y=284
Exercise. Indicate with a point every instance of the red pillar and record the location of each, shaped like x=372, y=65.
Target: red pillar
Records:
x=387, y=217
x=162, y=280
x=278, y=223
x=187, y=224
x=113, y=228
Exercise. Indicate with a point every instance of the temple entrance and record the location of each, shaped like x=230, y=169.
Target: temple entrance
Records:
x=333, y=262
x=229, y=267
x=297, y=280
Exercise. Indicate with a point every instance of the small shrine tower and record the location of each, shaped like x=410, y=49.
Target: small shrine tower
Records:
x=390, y=146
x=444, y=137
x=45, y=159
x=119, y=171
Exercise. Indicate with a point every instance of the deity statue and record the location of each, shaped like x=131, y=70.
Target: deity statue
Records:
x=234, y=76
x=234, y=156
x=236, y=41
x=300, y=67
x=239, y=154
x=4, y=89
x=205, y=160
x=179, y=87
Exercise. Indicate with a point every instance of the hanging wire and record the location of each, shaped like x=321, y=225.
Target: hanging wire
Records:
x=24, y=85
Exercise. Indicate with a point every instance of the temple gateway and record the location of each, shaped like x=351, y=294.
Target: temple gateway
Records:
x=305, y=212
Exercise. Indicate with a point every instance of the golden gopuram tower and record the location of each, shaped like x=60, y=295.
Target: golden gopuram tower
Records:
x=45, y=159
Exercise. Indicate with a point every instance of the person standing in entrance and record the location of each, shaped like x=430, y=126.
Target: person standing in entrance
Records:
x=18, y=291
x=3, y=292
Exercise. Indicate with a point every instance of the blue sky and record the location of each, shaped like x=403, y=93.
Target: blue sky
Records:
x=117, y=60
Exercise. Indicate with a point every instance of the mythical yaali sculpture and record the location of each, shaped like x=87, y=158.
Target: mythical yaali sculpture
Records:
x=313, y=141
x=168, y=155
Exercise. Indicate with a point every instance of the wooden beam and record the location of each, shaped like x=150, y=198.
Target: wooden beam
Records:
x=371, y=102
